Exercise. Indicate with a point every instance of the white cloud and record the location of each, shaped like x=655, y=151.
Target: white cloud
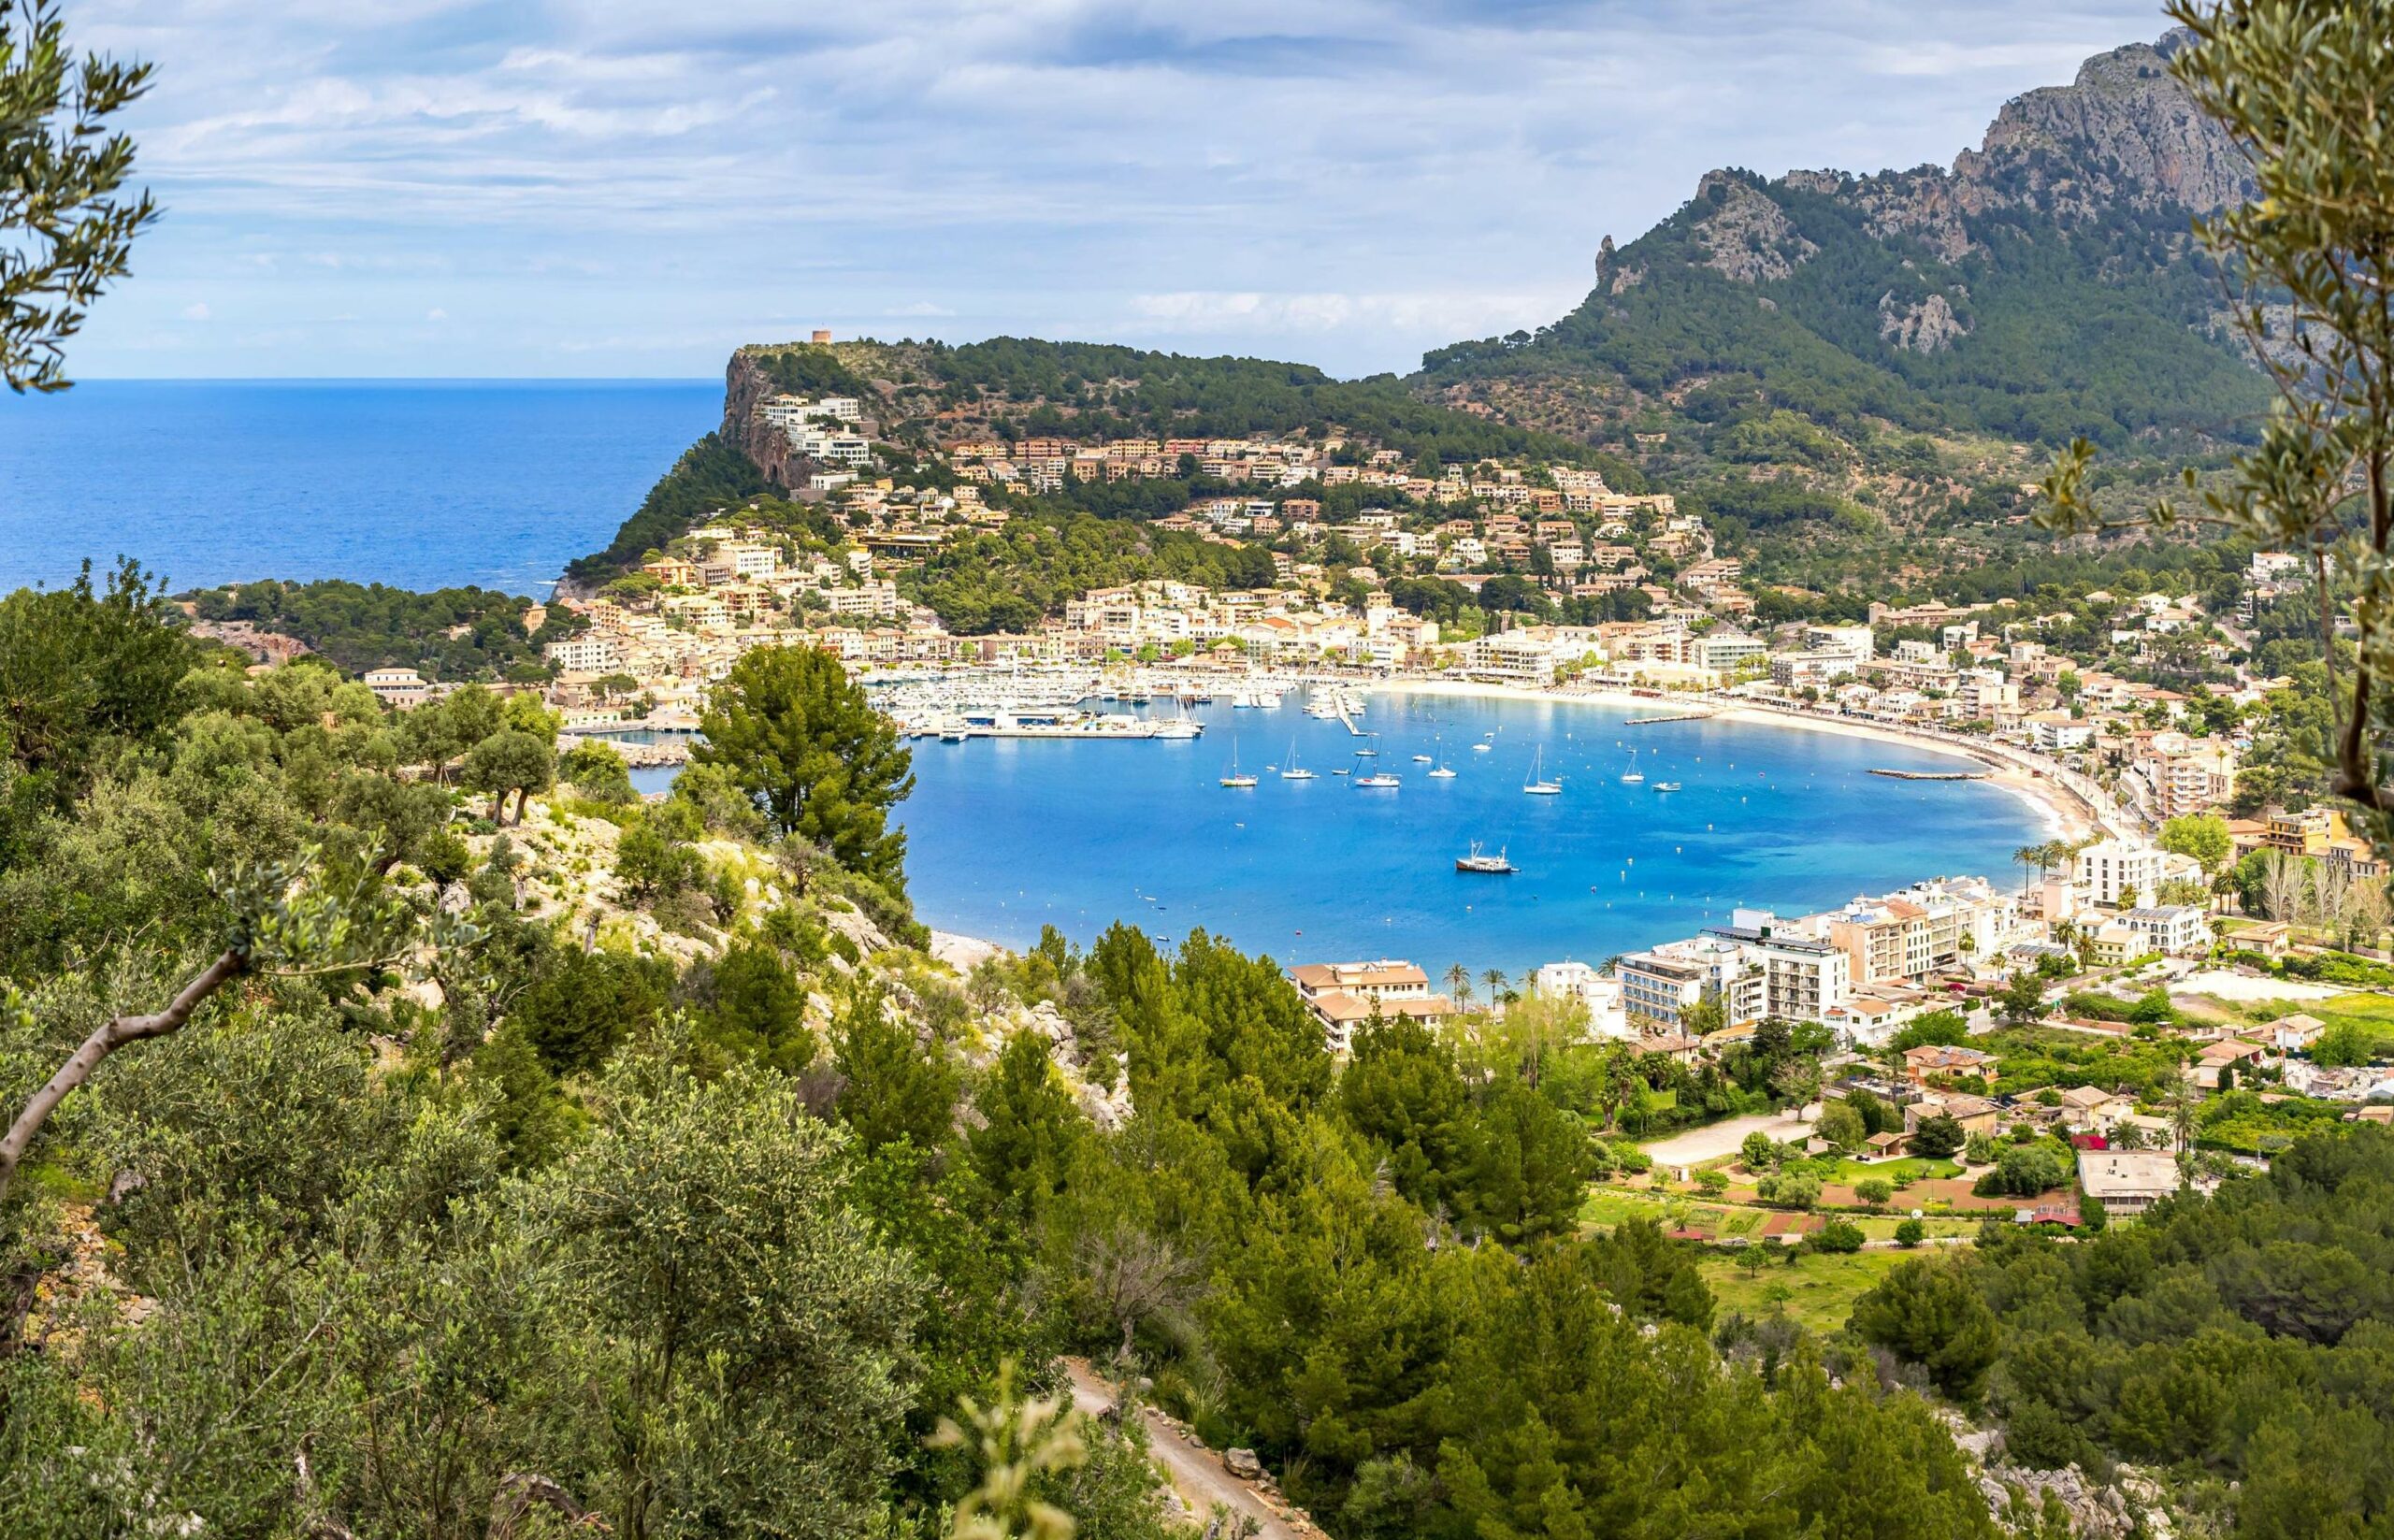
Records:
x=1346, y=181
x=436, y=314
x=195, y=313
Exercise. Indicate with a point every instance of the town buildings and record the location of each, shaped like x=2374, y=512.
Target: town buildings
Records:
x=1345, y=995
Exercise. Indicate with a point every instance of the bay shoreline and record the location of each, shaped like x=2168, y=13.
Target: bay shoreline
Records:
x=2065, y=813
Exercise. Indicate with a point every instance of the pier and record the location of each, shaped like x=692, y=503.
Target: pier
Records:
x=1674, y=716
x=1934, y=775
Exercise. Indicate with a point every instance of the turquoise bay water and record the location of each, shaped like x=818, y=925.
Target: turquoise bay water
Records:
x=416, y=483
x=427, y=483
x=1006, y=835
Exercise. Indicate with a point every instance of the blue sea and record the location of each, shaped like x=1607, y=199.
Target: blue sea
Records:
x=1009, y=834
x=424, y=485
x=417, y=483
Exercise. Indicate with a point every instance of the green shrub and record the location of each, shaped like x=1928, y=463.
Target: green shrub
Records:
x=1838, y=1236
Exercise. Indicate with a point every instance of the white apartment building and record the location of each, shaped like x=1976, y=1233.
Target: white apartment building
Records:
x=734, y=561
x=870, y=599
x=2112, y=867
x=1725, y=651
x=1658, y=988
x=2058, y=732
x=832, y=448
x=1856, y=641
x=1800, y=979
x=2179, y=930
x=587, y=654
x=789, y=412
x=1580, y=983
x=1796, y=670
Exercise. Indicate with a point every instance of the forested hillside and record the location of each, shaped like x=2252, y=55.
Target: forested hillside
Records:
x=919, y=396
x=2242, y=1346
x=518, y=1152
x=449, y=634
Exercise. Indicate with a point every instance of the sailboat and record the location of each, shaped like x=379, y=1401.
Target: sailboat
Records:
x=1377, y=780
x=1295, y=772
x=1371, y=750
x=1442, y=774
x=1537, y=786
x=1632, y=776
x=1237, y=778
x=1484, y=746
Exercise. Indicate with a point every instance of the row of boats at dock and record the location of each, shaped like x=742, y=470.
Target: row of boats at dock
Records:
x=1023, y=703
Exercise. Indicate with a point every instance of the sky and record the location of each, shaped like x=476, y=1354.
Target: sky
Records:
x=616, y=188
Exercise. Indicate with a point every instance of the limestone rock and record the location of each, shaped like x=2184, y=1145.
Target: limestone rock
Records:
x=1750, y=237
x=1927, y=326
x=1243, y=1465
x=2123, y=132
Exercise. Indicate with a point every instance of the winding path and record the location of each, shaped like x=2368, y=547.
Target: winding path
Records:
x=1195, y=1470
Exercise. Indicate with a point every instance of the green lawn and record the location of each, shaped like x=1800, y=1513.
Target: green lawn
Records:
x=1882, y=1228
x=1912, y=1168
x=1820, y=1290
x=1611, y=1205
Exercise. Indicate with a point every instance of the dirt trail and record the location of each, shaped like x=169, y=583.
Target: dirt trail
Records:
x=1196, y=1471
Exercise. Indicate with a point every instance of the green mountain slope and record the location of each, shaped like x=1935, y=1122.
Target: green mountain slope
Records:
x=2046, y=286
x=920, y=397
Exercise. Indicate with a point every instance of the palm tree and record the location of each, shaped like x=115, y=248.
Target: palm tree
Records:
x=2183, y=1098
x=2029, y=855
x=1459, y=980
x=1495, y=979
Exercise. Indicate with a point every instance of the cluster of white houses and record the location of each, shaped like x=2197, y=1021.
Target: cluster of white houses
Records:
x=1863, y=968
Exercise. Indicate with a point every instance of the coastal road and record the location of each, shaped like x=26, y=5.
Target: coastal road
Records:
x=1195, y=1470
x=1715, y=1139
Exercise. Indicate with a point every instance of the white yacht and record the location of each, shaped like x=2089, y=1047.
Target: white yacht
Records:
x=1237, y=778
x=1537, y=786
x=1633, y=776
x=1295, y=772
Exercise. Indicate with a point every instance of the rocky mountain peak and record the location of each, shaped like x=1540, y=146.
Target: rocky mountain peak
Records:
x=2124, y=132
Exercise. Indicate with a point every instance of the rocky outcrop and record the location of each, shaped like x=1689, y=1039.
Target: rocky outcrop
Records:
x=746, y=387
x=2124, y=132
x=1925, y=326
x=1748, y=237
